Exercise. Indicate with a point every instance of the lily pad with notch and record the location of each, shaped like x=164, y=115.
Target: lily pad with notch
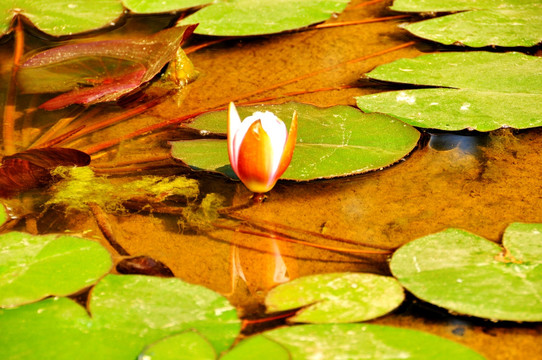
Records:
x=480, y=23
x=336, y=297
x=258, y=17
x=61, y=17
x=470, y=275
x=33, y=267
x=348, y=341
x=481, y=91
x=331, y=142
x=127, y=313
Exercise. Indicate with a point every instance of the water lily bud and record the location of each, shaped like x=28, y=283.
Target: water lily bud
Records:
x=260, y=148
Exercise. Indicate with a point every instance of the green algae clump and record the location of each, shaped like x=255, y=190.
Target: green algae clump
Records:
x=79, y=186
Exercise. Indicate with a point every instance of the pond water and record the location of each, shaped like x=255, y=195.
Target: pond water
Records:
x=474, y=181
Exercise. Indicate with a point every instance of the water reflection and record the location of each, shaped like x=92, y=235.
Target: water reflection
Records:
x=468, y=142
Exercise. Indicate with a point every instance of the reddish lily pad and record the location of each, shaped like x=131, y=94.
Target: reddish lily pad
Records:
x=30, y=169
x=101, y=70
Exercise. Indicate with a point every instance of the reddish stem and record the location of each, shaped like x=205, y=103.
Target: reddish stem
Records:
x=301, y=242
x=107, y=144
x=247, y=322
x=372, y=2
x=9, y=109
x=195, y=48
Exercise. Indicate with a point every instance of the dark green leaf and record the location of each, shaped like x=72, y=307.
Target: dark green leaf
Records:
x=470, y=275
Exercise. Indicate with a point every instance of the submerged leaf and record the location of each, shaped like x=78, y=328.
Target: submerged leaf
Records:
x=30, y=169
x=61, y=17
x=467, y=274
x=334, y=141
x=128, y=312
x=493, y=90
x=101, y=70
x=338, y=297
x=257, y=17
x=352, y=342
x=143, y=265
x=34, y=267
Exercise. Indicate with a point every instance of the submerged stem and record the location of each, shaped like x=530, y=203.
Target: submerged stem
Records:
x=9, y=108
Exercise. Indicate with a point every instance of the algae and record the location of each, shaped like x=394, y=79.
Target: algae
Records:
x=79, y=186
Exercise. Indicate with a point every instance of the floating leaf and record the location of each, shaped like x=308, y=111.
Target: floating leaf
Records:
x=256, y=17
x=101, y=70
x=61, y=17
x=334, y=141
x=128, y=312
x=34, y=267
x=338, y=297
x=184, y=346
x=470, y=275
x=499, y=22
x=493, y=91
x=350, y=341
x=30, y=169
x=3, y=214
x=456, y=5
x=153, y=6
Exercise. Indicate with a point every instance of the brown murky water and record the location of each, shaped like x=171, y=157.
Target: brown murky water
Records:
x=483, y=184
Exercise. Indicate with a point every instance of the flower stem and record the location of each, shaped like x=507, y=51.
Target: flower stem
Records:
x=9, y=108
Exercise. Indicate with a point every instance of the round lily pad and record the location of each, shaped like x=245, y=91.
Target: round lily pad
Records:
x=480, y=91
x=336, y=297
x=127, y=314
x=470, y=275
x=61, y=17
x=184, y=346
x=256, y=17
x=349, y=341
x=33, y=267
x=334, y=141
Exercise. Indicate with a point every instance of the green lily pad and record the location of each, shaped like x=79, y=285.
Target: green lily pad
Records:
x=334, y=141
x=350, y=341
x=61, y=17
x=257, y=17
x=3, y=214
x=184, y=346
x=456, y=5
x=337, y=297
x=467, y=274
x=34, y=267
x=514, y=26
x=127, y=313
x=153, y=6
x=492, y=91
